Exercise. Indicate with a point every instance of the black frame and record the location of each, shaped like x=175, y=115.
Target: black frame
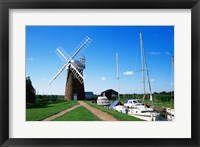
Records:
x=5, y=5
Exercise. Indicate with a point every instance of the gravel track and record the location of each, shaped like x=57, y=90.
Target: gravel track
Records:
x=100, y=114
x=60, y=113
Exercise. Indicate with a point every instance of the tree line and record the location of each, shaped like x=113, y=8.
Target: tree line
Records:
x=31, y=96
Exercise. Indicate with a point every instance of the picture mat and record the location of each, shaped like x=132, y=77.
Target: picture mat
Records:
x=20, y=128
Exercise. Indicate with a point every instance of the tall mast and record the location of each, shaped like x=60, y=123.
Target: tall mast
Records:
x=145, y=68
x=143, y=61
x=151, y=98
x=171, y=76
x=117, y=76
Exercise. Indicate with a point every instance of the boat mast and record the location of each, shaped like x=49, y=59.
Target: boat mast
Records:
x=171, y=76
x=151, y=98
x=145, y=67
x=117, y=76
x=142, y=59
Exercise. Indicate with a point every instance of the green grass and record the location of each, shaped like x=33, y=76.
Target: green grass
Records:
x=78, y=114
x=118, y=115
x=36, y=114
x=161, y=104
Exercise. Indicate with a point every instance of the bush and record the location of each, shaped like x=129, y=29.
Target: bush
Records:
x=30, y=91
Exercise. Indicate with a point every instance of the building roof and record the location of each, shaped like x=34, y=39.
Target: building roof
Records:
x=108, y=90
x=89, y=94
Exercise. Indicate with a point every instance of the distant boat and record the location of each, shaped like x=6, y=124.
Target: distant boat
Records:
x=131, y=103
x=103, y=100
x=170, y=114
x=139, y=110
x=144, y=113
x=116, y=105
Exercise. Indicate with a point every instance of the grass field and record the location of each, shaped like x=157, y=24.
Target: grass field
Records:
x=159, y=103
x=116, y=114
x=36, y=114
x=78, y=114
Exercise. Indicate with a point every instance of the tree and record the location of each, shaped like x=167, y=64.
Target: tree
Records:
x=155, y=93
x=163, y=93
x=30, y=91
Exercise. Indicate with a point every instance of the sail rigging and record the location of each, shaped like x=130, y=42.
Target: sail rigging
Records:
x=145, y=68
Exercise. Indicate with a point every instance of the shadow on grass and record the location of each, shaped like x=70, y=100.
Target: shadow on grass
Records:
x=42, y=104
x=38, y=105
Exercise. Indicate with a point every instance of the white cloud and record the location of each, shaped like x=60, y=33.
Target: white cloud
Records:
x=30, y=59
x=103, y=78
x=128, y=73
x=152, y=80
x=155, y=53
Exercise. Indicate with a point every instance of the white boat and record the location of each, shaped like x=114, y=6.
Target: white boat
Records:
x=121, y=108
x=170, y=114
x=103, y=100
x=139, y=110
x=117, y=105
x=133, y=102
x=143, y=113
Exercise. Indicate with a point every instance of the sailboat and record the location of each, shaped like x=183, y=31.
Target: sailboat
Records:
x=170, y=111
x=138, y=109
x=116, y=105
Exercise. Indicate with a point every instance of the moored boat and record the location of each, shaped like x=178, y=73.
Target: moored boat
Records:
x=147, y=114
x=170, y=114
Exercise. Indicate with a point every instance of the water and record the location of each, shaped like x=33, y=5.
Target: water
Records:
x=162, y=117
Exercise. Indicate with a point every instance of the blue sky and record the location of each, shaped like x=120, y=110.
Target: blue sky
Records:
x=42, y=63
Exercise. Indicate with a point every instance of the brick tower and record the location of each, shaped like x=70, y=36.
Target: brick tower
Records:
x=74, y=88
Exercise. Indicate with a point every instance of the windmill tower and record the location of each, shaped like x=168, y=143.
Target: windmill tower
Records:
x=74, y=84
x=74, y=89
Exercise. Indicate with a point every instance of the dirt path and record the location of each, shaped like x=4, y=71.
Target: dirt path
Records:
x=60, y=113
x=100, y=114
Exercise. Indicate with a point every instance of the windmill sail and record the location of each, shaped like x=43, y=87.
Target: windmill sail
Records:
x=84, y=43
x=58, y=73
x=76, y=73
x=62, y=54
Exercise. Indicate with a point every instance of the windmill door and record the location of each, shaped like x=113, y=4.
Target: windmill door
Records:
x=75, y=97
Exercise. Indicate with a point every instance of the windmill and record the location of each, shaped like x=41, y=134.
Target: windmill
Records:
x=74, y=89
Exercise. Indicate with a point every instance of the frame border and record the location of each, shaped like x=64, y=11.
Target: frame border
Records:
x=5, y=5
